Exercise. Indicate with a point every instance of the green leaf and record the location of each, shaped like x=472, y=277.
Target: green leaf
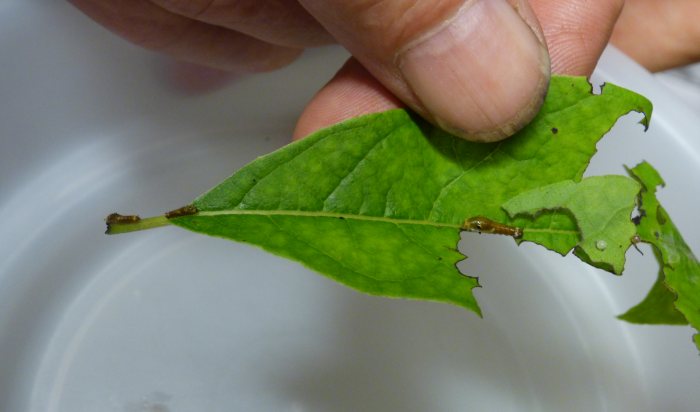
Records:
x=378, y=202
x=680, y=270
x=554, y=229
x=601, y=207
x=658, y=306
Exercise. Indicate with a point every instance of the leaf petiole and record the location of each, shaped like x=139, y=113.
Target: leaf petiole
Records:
x=117, y=223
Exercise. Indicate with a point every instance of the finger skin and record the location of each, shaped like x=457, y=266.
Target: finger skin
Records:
x=576, y=31
x=659, y=35
x=473, y=67
x=280, y=22
x=154, y=28
x=192, y=79
x=576, y=34
x=352, y=92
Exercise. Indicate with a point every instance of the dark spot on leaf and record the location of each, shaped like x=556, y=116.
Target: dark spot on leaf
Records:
x=638, y=218
x=555, y=130
x=341, y=218
x=661, y=215
x=656, y=235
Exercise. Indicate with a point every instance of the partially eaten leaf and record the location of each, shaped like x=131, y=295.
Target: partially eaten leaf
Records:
x=378, y=202
x=679, y=276
x=658, y=307
x=601, y=207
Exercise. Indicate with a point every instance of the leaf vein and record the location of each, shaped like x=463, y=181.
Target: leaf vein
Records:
x=303, y=213
x=444, y=189
x=260, y=179
x=361, y=161
x=338, y=261
x=319, y=251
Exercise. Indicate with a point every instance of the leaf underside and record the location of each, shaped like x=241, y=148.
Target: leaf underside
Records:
x=378, y=202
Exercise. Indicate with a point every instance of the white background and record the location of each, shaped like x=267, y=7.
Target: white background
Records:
x=173, y=321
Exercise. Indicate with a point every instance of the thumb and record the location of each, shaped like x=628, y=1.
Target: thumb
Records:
x=476, y=68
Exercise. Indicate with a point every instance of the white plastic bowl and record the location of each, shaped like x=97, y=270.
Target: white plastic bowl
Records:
x=172, y=321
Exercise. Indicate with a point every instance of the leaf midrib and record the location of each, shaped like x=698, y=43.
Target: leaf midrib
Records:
x=347, y=216
x=307, y=213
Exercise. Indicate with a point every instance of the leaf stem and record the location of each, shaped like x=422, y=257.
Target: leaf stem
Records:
x=117, y=224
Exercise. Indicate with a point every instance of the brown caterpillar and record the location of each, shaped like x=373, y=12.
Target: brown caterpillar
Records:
x=483, y=224
x=117, y=219
x=183, y=211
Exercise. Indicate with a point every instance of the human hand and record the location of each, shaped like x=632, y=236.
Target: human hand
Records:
x=659, y=34
x=478, y=68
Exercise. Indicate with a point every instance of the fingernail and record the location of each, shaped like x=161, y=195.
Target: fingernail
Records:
x=482, y=75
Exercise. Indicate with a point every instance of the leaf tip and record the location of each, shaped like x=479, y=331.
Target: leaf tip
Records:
x=646, y=175
x=646, y=116
x=640, y=103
